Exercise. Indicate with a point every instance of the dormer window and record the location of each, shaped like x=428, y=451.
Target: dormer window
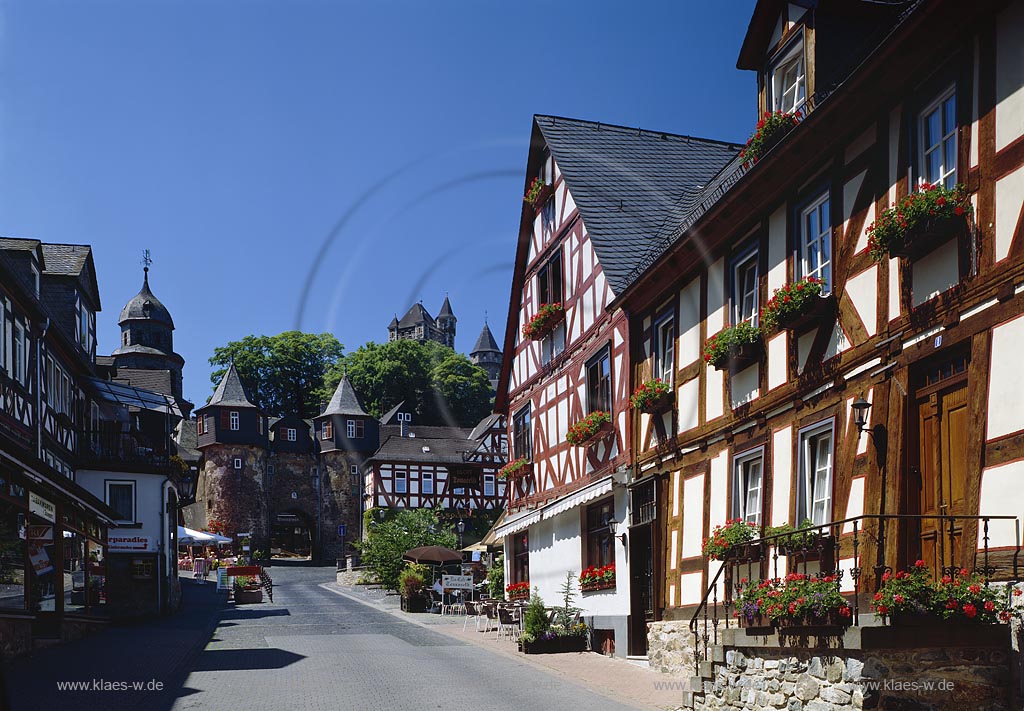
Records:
x=289, y=434
x=787, y=79
x=326, y=430
x=35, y=278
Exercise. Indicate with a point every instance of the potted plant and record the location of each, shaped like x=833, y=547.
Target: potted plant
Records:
x=515, y=468
x=410, y=583
x=793, y=541
x=589, y=428
x=731, y=541
x=538, y=193
x=652, y=397
x=810, y=601
x=517, y=591
x=966, y=597
x=753, y=601
x=919, y=221
x=797, y=306
x=770, y=129
x=563, y=633
x=594, y=578
x=906, y=597
x=247, y=590
x=734, y=347
x=547, y=317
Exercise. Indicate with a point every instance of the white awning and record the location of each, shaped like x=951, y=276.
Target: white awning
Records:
x=587, y=493
x=518, y=523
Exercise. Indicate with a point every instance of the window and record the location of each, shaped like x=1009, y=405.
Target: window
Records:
x=788, y=80
x=815, y=257
x=747, y=486
x=121, y=498
x=547, y=216
x=665, y=349
x=199, y=425
x=814, y=495
x=326, y=430
x=458, y=491
x=599, y=382
x=744, y=289
x=549, y=281
x=553, y=344
x=19, y=359
x=937, y=141
x=427, y=483
x=233, y=419
x=355, y=429
x=400, y=482
x=35, y=278
x=600, y=541
x=237, y=463
x=85, y=325
x=290, y=434
x=488, y=485
x=259, y=424
x=521, y=558
x=208, y=420
x=522, y=438
x=353, y=472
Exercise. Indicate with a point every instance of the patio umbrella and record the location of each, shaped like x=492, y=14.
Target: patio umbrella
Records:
x=221, y=540
x=196, y=538
x=432, y=555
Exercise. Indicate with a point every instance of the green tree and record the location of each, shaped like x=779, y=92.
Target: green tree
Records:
x=387, y=541
x=443, y=387
x=284, y=374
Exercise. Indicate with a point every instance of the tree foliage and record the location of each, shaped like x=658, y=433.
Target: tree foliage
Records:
x=388, y=540
x=284, y=374
x=443, y=387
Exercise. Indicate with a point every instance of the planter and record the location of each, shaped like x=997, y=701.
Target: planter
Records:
x=769, y=143
x=818, y=311
x=752, y=621
x=554, y=317
x=658, y=405
x=599, y=585
x=416, y=603
x=740, y=357
x=603, y=431
x=248, y=597
x=831, y=618
x=914, y=619
x=557, y=645
x=517, y=473
x=744, y=553
x=923, y=237
x=542, y=197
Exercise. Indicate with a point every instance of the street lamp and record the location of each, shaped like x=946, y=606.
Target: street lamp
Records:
x=461, y=525
x=860, y=414
x=613, y=526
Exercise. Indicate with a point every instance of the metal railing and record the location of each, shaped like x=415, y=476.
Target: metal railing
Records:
x=117, y=449
x=824, y=543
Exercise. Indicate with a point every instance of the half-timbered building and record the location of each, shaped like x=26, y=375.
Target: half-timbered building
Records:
x=923, y=338
x=593, y=194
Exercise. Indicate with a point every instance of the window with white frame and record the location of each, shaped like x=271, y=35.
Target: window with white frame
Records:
x=400, y=481
x=326, y=430
x=290, y=434
x=599, y=382
x=233, y=420
x=748, y=485
x=35, y=277
x=237, y=462
x=814, y=484
x=353, y=472
x=744, y=289
x=816, y=242
x=522, y=437
x=207, y=423
x=665, y=349
x=788, y=81
x=426, y=482
x=120, y=496
x=20, y=352
x=936, y=132
x=355, y=429
x=85, y=325
x=488, y=485
x=547, y=216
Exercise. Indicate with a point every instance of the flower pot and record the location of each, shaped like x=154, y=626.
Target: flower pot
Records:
x=755, y=620
x=542, y=197
x=744, y=553
x=816, y=311
x=662, y=403
x=414, y=603
x=923, y=237
x=554, y=318
x=603, y=431
x=556, y=645
x=740, y=357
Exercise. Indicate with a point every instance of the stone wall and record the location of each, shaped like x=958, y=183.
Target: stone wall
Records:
x=236, y=498
x=670, y=648
x=340, y=506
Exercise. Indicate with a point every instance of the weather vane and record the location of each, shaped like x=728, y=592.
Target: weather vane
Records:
x=146, y=260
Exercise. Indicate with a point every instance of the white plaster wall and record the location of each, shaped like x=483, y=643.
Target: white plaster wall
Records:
x=1001, y=495
x=777, y=360
x=1009, y=194
x=689, y=323
x=148, y=500
x=862, y=290
x=837, y=342
x=714, y=403
x=1009, y=74
x=976, y=57
x=935, y=272
x=743, y=387
x=894, y=289
x=716, y=297
x=1006, y=379
x=690, y=590
x=782, y=468
x=803, y=349
x=855, y=506
x=719, y=486
x=693, y=516
x=777, y=250
x=688, y=399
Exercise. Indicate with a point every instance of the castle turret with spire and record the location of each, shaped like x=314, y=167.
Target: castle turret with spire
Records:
x=419, y=325
x=487, y=355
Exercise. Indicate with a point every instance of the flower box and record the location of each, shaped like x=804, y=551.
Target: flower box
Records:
x=771, y=128
x=544, y=321
x=756, y=620
x=913, y=619
x=517, y=591
x=652, y=397
x=819, y=310
x=729, y=538
x=538, y=193
x=734, y=347
x=592, y=428
x=740, y=357
x=599, y=585
x=744, y=553
x=662, y=403
x=248, y=596
x=555, y=645
x=919, y=222
x=515, y=469
x=922, y=238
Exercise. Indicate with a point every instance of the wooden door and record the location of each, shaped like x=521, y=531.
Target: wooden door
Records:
x=942, y=415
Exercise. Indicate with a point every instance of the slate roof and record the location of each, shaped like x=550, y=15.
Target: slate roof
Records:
x=414, y=316
x=629, y=184
x=145, y=307
x=345, y=401
x=427, y=432
x=158, y=381
x=446, y=309
x=390, y=414
x=230, y=392
x=440, y=450
x=483, y=426
x=19, y=244
x=485, y=342
x=65, y=259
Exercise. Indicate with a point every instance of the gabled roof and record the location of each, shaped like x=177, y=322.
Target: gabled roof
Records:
x=230, y=392
x=345, y=401
x=485, y=342
x=628, y=183
x=415, y=315
x=484, y=425
x=72, y=260
x=435, y=450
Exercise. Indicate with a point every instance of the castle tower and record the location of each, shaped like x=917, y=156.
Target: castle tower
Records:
x=293, y=478
x=347, y=436
x=446, y=322
x=233, y=441
x=487, y=355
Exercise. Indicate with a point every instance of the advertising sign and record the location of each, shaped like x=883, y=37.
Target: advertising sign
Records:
x=41, y=563
x=41, y=507
x=457, y=582
x=39, y=533
x=122, y=543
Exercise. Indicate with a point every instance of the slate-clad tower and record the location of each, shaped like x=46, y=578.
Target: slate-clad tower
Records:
x=487, y=355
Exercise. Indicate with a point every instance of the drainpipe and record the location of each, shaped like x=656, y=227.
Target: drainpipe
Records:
x=39, y=388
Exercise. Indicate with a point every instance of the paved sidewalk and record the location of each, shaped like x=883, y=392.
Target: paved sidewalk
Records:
x=611, y=677
x=158, y=651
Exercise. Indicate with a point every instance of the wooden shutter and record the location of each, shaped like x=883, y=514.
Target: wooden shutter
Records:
x=225, y=419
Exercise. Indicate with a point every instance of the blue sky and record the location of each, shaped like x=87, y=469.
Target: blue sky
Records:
x=340, y=160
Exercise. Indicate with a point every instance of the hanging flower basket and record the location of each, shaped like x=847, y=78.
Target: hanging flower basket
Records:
x=591, y=428
x=734, y=348
x=544, y=321
x=919, y=222
x=652, y=397
x=771, y=129
x=515, y=469
x=798, y=306
x=538, y=193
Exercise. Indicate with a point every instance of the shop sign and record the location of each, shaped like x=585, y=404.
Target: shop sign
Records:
x=129, y=544
x=465, y=478
x=39, y=533
x=457, y=582
x=41, y=507
x=41, y=563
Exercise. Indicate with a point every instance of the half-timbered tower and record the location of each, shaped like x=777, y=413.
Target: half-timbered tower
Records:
x=922, y=333
x=595, y=194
